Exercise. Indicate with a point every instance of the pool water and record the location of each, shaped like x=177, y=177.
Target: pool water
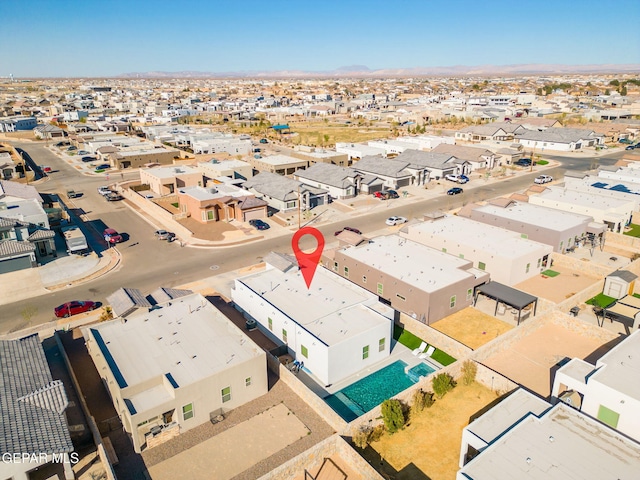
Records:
x=369, y=392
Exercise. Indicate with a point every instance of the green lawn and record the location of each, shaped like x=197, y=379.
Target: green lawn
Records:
x=635, y=230
x=542, y=162
x=412, y=342
x=601, y=300
x=550, y=273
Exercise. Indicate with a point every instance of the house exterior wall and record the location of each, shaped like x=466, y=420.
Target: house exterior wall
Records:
x=597, y=394
x=205, y=395
x=214, y=170
x=162, y=185
x=281, y=168
x=138, y=160
x=334, y=192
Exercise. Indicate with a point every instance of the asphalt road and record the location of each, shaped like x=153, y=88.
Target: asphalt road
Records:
x=149, y=263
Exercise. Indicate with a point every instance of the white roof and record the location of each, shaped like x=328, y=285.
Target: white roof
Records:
x=562, y=444
x=219, y=191
x=483, y=237
x=276, y=160
x=170, y=172
x=187, y=338
x=583, y=199
x=333, y=309
x=416, y=264
x=619, y=369
x=549, y=218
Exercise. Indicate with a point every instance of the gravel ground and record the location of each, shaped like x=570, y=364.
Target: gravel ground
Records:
x=278, y=393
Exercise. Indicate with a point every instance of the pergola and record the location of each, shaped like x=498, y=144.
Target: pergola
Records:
x=507, y=295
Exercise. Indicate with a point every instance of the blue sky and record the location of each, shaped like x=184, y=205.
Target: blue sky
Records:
x=75, y=38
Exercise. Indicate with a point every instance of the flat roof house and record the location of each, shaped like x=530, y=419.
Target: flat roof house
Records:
x=340, y=182
x=608, y=391
x=220, y=203
x=558, y=443
x=279, y=164
x=545, y=225
x=235, y=169
x=175, y=366
x=621, y=189
x=283, y=193
x=32, y=418
x=356, y=151
x=167, y=180
x=509, y=258
x=335, y=327
x=425, y=283
x=136, y=158
x=615, y=213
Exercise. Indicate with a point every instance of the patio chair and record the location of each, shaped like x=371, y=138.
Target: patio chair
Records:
x=428, y=353
x=420, y=349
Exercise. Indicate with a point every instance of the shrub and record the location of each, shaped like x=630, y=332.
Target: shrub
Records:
x=442, y=383
x=469, y=370
x=392, y=415
x=420, y=401
x=361, y=437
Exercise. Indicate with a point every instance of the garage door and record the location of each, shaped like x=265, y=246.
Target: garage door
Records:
x=404, y=182
x=375, y=188
x=15, y=264
x=254, y=215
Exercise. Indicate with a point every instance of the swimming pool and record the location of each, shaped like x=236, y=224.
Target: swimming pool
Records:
x=369, y=392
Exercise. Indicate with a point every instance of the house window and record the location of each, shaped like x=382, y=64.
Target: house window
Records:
x=524, y=235
x=539, y=262
x=469, y=293
x=365, y=352
x=226, y=394
x=364, y=279
x=187, y=411
x=482, y=265
x=209, y=215
x=444, y=250
x=346, y=272
x=270, y=321
x=608, y=416
x=247, y=382
x=452, y=301
x=304, y=351
x=380, y=289
x=284, y=335
x=291, y=204
x=335, y=266
x=400, y=297
x=461, y=255
x=381, y=344
x=527, y=269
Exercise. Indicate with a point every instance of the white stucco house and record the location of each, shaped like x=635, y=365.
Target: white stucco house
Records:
x=335, y=327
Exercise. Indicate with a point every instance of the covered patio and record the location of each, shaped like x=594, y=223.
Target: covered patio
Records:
x=506, y=295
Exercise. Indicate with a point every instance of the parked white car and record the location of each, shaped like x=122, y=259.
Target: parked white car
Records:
x=395, y=221
x=104, y=190
x=543, y=179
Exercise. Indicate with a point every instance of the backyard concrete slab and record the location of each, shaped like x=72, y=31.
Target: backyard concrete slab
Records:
x=236, y=449
x=530, y=360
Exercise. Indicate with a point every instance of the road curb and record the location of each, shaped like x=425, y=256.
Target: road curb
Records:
x=114, y=262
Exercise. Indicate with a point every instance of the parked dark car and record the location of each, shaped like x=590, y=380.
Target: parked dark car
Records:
x=104, y=166
x=350, y=229
x=88, y=159
x=392, y=194
x=454, y=191
x=523, y=162
x=74, y=307
x=264, y=140
x=630, y=147
x=259, y=224
x=113, y=197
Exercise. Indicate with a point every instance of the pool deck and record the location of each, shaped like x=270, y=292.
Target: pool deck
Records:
x=398, y=352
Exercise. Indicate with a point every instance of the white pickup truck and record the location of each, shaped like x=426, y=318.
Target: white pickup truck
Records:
x=543, y=179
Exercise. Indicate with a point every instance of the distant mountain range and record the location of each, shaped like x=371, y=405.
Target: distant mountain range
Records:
x=364, y=71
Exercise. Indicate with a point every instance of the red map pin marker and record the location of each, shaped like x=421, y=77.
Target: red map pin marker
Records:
x=308, y=262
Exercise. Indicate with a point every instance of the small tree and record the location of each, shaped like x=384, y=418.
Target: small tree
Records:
x=421, y=400
x=361, y=437
x=392, y=415
x=469, y=370
x=442, y=383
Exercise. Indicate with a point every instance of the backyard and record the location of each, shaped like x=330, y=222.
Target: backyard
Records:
x=412, y=342
x=429, y=447
x=471, y=327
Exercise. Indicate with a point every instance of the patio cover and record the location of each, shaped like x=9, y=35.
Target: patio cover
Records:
x=507, y=295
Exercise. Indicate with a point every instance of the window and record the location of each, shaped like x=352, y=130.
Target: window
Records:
x=291, y=204
x=209, y=214
x=461, y=255
x=524, y=235
x=365, y=352
x=364, y=279
x=482, y=265
x=381, y=344
x=469, y=293
x=452, y=302
x=400, y=297
x=380, y=289
x=608, y=416
x=304, y=351
x=335, y=266
x=539, y=262
x=187, y=412
x=527, y=269
x=247, y=382
x=284, y=335
x=346, y=272
x=270, y=323
x=444, y=250
x=226, y=394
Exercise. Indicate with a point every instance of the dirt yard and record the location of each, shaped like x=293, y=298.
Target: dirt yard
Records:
x=559, y=288
x=430, y=446
x=471, y=327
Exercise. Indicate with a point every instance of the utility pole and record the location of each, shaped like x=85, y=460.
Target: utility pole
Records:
x=299, y=206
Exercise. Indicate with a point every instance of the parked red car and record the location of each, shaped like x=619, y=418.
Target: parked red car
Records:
x=74, y=307
x=380, y=195
x=111, y=236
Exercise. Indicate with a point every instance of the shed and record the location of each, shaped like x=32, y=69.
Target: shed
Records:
x=619, y=284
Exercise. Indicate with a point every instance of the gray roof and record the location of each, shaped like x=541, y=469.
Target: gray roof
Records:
x=420, y=159
x=15, y=247
x=625, y=275
x=470, y=154
x=251, y=202
x=506, y=294
x=32, y=404
x=18, y=190
x=41, y=235
x=558, y=135
x=492, y=128
x=163, y=295
x=124, y=300
x=386, y=167
x=278, y=187
x=329, y=174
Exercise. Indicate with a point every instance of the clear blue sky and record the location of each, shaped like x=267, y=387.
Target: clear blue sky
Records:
x=75, y=38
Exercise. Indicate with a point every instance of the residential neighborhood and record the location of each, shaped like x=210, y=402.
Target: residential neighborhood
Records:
x=320, y=275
